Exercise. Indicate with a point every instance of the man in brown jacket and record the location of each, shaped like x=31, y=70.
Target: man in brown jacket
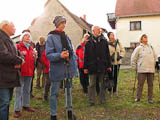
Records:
x=10, y=62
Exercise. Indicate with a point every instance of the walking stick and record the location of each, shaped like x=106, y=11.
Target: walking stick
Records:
x=66, y=82
x=134, y=87
x=159, y=79
x=67, y=89
x=118, y=70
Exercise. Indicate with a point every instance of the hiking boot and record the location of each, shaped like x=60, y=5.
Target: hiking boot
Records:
x=29, y=109
x=150, y=101
x=53, y=117
x=17, y=114
x=71, y=116
x=137, y=100
x=45, y=99
x=91, y=104
x=32, y=96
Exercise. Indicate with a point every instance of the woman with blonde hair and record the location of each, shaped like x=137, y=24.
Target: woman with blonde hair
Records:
x=143, y=60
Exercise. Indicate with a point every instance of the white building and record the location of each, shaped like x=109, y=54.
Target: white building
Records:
x=135, y=17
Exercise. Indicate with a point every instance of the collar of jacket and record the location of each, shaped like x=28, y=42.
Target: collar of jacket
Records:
x=83, y=44
x=22, y=44
x=59, y=30
x=6, y=35
x=98, y=39
x=141, y=44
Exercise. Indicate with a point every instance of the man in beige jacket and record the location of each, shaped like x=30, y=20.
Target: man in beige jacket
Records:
x=143, y=61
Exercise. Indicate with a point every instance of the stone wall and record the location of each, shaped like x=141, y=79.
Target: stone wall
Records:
x=127, y=58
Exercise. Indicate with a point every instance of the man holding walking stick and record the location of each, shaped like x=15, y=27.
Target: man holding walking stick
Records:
x=63, y=65
x=143, y=61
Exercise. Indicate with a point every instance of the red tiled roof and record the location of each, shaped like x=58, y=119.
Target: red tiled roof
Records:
x=137, y=7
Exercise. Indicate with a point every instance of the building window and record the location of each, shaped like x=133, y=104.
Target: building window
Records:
x=135, y=25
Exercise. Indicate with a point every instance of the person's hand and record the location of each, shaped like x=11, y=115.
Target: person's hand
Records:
x=23, y=61
x=17, y=66
x=109, y=69
x=85, y=71
x=64, y=54
x=35, y=54
x=23, y=53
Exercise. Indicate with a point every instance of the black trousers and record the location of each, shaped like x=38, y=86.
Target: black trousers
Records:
x=115, y=71
x=32, y=82
x=84, y=80
x=97, y=86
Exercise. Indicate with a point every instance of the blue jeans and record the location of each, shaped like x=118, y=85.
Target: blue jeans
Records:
x=55, y=85
x=22, y=94
x=5, y=97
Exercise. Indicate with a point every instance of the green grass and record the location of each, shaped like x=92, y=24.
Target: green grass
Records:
x=121, y=107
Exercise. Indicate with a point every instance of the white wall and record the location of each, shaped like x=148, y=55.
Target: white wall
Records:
x=150, y=25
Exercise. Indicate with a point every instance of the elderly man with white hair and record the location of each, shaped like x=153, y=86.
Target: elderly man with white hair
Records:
x=10, y=62
x=96, y=63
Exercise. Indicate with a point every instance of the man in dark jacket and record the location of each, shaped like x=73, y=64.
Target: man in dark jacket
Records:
x=96, y=62
x=10, y=62
x=40, y=47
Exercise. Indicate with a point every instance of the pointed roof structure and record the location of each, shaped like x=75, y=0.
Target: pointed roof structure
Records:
x=126, y=8
x=43, y=24
x=79, y=20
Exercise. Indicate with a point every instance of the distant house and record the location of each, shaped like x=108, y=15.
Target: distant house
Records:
x=75, y=28
x=135, y=17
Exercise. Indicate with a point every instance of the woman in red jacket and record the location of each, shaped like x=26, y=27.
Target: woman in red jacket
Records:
x=22, y=94
x=80, y=56
x=45, y=63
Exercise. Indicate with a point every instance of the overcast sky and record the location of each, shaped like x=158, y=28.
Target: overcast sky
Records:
x=22, y=12
x=95, y=10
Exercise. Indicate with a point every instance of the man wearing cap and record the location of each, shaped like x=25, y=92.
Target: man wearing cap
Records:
x=63, y=65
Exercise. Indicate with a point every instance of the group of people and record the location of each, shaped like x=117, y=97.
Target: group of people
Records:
x=95, y=58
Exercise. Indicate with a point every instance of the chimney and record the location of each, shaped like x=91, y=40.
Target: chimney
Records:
x=84, y=17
